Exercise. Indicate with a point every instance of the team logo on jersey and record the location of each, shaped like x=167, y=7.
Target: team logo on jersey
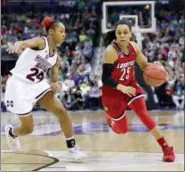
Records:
x=105, y=108
x=121, y=55
x=111, y=123
x=124, y=65
x=42, y=63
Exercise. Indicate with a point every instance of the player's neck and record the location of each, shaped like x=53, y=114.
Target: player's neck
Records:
x=124, y=48
x=52, y=45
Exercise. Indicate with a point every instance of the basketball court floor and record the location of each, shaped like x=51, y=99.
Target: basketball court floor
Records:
x=44, y=149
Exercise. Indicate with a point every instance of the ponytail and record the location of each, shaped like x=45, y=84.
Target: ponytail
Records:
x=109, y=37
x=49, y=22
x=46, y=22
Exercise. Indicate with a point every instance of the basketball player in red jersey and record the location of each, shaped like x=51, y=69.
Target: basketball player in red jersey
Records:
x=120, y=88
x=28, y=85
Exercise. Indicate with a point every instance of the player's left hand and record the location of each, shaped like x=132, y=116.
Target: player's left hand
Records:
x=16, y=48
x=55, y=86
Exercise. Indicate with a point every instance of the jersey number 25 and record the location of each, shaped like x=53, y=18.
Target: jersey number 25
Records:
x=125, y=73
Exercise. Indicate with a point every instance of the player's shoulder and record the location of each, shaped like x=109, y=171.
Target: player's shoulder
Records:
x=110, y=50
x=135, y=46
x=40, y=41
x=110, y=54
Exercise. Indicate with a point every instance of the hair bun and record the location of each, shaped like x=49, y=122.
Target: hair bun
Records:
x=46, y=22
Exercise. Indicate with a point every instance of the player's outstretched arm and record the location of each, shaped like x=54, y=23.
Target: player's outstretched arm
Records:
x=140, y=58
x=55, y=85
x=36, y=42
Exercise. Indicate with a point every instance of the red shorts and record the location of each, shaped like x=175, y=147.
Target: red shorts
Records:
x=115, y=102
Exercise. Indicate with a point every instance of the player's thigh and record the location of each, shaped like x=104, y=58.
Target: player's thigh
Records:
x=17, y=97
x=114, y=106
x=51, y=103
x=119, y=125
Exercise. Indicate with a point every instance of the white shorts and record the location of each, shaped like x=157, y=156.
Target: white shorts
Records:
x=20, y=97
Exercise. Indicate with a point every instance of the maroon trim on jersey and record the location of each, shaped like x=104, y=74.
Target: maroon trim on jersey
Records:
x=41, y=94
x=25, y=113
x=54, y=52
x=50, y=52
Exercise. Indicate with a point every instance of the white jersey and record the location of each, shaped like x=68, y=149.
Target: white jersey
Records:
x=32, y=65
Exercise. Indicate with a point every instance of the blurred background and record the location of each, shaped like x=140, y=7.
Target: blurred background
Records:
x=81, y=53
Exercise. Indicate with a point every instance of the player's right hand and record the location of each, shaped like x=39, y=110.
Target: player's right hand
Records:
x=55, y=87
x=130, y=91
x=16, y=48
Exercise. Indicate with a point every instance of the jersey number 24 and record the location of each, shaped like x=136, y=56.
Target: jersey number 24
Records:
x=36, y=74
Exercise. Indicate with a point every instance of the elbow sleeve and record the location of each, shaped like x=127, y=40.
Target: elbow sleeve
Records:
x=106, y=75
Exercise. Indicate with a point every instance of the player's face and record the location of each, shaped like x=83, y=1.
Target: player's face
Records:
x=123, y=34
x=59, y=35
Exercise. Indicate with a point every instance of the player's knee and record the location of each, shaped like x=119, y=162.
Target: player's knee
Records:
x=62, y=114
x=120, y=126
x=119, y=129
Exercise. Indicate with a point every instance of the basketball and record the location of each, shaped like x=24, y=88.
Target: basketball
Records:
x=154, y=74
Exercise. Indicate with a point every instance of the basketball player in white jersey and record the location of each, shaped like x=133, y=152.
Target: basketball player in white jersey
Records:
x=28, y=86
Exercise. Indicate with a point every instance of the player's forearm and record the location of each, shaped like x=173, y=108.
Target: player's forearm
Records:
x=142, y=62
x=106, y=76
x=54, y=75
x=24, y=44
x=143, y=66
x=110, y=82
x=31, y=43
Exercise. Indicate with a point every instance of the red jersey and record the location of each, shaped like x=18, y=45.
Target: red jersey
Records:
x=123, y=71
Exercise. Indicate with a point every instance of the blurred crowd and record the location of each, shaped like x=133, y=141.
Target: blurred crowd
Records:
x=82, y=19
x=167, y=46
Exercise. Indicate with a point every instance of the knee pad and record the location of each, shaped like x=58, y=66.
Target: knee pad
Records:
x=119, y=125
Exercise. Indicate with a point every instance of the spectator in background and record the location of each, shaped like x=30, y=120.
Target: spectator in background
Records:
x=67, y=86
x=167, y=46
x=94, y=100
x=178, y=96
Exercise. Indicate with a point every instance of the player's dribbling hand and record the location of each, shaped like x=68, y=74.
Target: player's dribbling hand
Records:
x=157, y=62
x=16, y=48
x=130, y=91
x=55, y=86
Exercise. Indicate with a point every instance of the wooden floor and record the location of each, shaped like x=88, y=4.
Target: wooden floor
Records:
x=45, y=148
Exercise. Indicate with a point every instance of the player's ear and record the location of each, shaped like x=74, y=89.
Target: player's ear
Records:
x=51, y=31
